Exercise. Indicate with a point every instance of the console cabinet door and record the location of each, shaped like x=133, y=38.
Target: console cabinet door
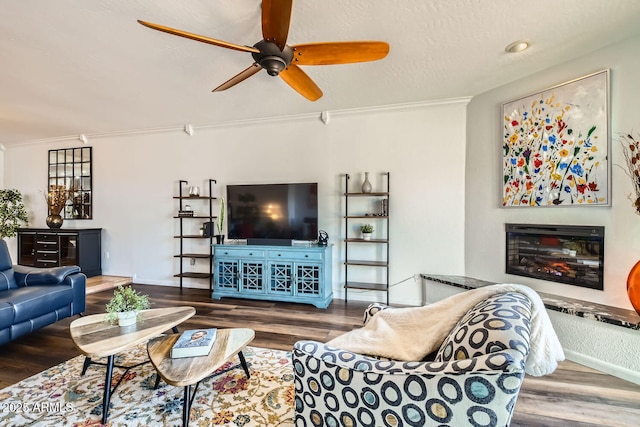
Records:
x=281, y=278
x=27, y=249
x=252, y=276
x=227, y=275
x=68, y=248
x=308, y=280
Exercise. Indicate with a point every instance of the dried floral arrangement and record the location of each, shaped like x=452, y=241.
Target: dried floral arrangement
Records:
x=56, y=198
x=631, y=152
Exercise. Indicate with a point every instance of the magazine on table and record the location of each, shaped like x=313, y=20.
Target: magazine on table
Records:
x=194, y=342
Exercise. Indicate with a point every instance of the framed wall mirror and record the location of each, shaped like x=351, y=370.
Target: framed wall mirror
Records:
x=70, y=171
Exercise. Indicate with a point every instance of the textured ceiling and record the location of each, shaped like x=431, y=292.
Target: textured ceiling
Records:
x=70, y=67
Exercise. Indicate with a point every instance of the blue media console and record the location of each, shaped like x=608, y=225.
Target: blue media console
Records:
x=276, y=273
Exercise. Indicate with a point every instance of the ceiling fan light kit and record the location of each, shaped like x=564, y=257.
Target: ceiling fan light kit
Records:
x=271, y=58
x=278, y=59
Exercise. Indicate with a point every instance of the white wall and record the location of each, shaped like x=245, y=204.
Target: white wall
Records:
x=485, y=219
x=136, y=175
x=608, y=348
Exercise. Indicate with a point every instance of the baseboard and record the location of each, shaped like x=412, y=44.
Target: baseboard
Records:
x=599, y=365
x=372, y=296
x=170, y=283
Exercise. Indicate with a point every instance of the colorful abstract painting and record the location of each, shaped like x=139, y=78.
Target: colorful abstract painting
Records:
x=556, y=146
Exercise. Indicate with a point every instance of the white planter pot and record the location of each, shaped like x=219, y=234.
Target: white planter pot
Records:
x=127, y=318
x=366, y=236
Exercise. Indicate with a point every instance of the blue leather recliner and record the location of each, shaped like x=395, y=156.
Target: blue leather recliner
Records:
x=31, y=298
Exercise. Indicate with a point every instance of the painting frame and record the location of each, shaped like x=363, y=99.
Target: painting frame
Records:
x=556, y=145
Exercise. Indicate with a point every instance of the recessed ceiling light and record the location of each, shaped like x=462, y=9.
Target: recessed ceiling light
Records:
x=517, y=46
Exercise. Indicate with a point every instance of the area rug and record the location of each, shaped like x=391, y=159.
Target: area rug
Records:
x=60, y=396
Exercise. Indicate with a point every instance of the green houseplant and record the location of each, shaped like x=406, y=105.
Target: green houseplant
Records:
x=220, y=236
x=366, y=230
x=12, y=212
x=126, y=300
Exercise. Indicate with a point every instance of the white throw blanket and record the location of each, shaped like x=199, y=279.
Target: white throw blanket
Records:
x=412, y=333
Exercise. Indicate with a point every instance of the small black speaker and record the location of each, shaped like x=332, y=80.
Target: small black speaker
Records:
x=323, y=238
x=208, y=229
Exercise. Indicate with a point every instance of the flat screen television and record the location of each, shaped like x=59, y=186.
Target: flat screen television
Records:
x=272, y=214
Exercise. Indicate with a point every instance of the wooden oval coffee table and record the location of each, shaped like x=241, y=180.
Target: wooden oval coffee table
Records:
x=186, y=371
x=96, y=338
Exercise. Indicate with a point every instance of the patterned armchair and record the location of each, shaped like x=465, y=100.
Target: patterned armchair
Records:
x=473, y=380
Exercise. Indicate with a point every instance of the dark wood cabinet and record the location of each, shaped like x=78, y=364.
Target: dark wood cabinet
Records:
x=46, y=247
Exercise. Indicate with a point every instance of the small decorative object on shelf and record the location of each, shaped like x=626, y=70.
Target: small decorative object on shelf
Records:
x=194, y=342
x=366, y=185
x=194, y=191
x=631, y=151
x=633, y=287
x=366, y=230
x=125, y=306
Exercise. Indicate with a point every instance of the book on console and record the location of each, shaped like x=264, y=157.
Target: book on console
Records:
x=194, y=342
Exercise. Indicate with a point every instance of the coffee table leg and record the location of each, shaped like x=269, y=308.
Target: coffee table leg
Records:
x=186, y=406
x=157, y=381
x=85, y=366
x=243, y=362
x=107, y=390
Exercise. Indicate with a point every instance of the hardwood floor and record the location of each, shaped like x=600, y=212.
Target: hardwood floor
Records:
x=573, y=396
x=104, y=283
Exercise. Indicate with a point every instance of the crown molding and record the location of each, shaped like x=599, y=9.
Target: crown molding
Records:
x=316, y=116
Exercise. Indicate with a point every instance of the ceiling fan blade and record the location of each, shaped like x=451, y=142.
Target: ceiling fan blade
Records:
x=339, y=52
x=243, y=75
x=276, y=16
x=301, y=82
x=198, y=38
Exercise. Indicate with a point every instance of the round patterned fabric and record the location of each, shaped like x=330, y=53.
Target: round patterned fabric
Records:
x=482, y=330
x=474, y=380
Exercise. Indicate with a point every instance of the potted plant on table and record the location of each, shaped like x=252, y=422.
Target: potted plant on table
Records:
x=366, y=230
x=125, y=306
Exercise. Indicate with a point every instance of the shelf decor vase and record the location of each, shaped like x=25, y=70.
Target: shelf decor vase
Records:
x=127, y=318
x=366, y=185
x=220, y=239
x=194, y=191
x=633, y=287
x=366, y=236
x=54, y=221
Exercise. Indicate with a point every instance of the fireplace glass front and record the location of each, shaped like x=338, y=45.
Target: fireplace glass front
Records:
x=560, y=253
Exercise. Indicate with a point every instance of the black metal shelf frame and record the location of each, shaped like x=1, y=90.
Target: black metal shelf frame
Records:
x=378, y=287
x=181, y=236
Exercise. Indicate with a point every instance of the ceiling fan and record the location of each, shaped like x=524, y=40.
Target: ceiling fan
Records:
x=274, y=55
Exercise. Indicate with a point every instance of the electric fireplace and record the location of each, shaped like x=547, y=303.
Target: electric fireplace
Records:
x=569, y=254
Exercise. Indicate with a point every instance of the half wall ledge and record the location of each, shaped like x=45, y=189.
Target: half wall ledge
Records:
x=575, y=307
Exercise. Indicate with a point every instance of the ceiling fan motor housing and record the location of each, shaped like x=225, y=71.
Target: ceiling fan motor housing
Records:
x=271, y=58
